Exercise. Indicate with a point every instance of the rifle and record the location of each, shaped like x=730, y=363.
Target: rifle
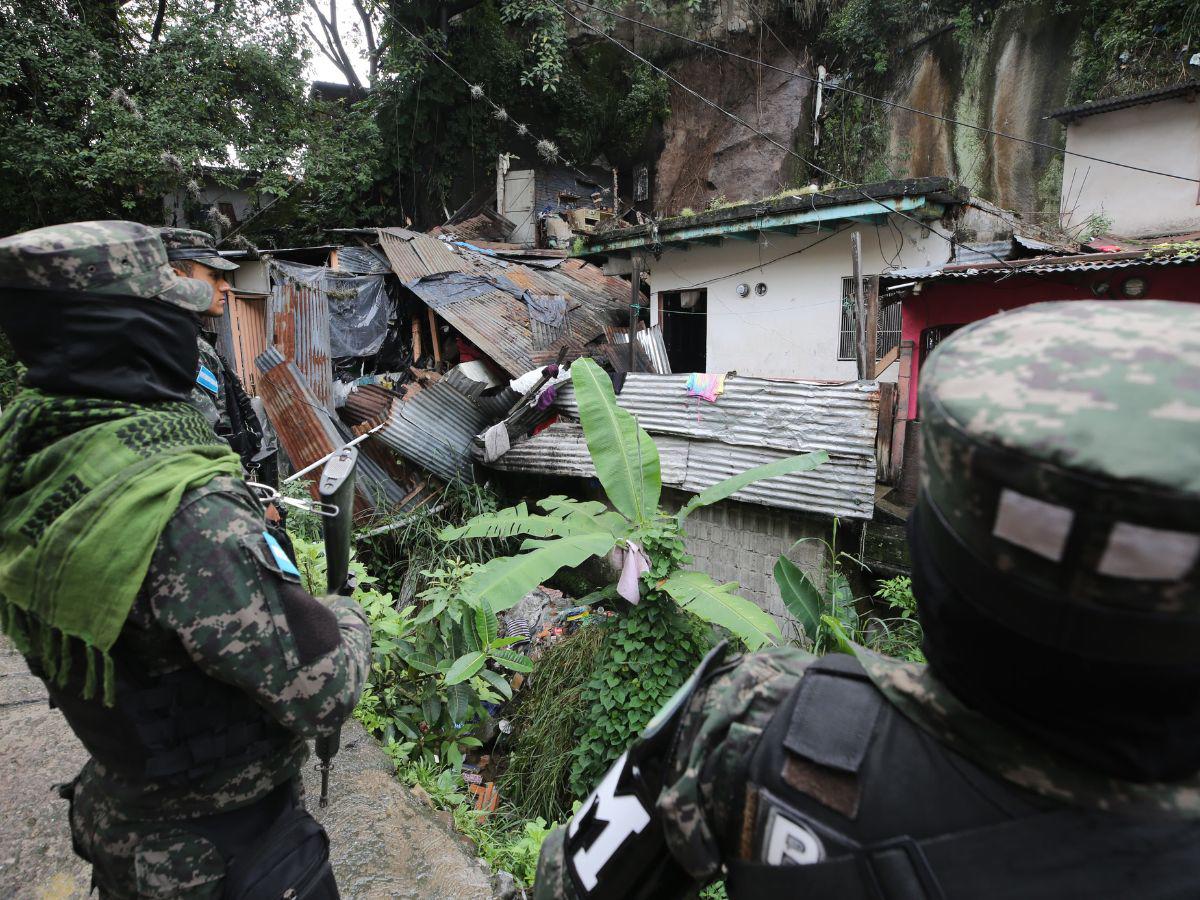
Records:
x=336, y=488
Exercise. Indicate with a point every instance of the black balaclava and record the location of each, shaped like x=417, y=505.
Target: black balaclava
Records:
x=96, y=345
x=1131, y=721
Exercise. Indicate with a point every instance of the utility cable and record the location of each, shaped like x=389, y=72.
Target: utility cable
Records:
x=788, y=150
x=920, y=112
x=548, y=149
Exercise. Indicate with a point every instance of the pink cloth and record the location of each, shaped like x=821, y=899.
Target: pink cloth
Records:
x=632, y=562
x=706, y=385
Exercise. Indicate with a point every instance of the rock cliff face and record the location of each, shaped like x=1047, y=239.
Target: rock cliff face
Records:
x=1004, y=77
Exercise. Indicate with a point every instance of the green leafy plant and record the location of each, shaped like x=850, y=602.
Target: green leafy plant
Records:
x=826, y=615
x=569, y=532
x=653, y=647
x=503, y=838
x=548, y=712
x=899, y=635
x=434, y=667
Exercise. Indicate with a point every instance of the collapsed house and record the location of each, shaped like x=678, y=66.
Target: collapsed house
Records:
x=448, y=361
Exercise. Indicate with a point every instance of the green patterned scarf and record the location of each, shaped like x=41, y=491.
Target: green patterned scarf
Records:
x=86, y=488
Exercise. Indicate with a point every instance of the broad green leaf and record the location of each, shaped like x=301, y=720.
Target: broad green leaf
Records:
x=800, y=595
x=716, y=603
x=458, y=702
x=835, y=627
x=511, y=659
x=465, y=666
x=485, y=624
x=625, y=457
x=565, y=518
x=504, y=580
x=431, y=709
x=730, y=486
x=498, y=681
x=431, y=610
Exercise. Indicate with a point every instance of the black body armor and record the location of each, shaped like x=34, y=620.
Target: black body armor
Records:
x=172, y=728
x=846, y=798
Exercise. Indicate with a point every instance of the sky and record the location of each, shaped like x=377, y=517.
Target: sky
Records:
x=319, y=67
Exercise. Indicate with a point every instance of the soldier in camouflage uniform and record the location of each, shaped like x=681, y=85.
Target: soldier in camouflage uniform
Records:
x=218, y=393
x=1051, y=747
x=137, y=577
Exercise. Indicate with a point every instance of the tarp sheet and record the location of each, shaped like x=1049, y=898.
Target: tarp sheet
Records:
x=359, y=307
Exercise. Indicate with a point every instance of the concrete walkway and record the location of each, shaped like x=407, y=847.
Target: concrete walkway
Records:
x=385, y=842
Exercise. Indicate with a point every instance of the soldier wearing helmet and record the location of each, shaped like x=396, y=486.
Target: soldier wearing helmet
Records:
x=1051, y=746
x=139, y=582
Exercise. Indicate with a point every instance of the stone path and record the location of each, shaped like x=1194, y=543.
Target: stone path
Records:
x=386, y=843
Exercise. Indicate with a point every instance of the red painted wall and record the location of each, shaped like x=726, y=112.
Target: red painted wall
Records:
x=951, y=301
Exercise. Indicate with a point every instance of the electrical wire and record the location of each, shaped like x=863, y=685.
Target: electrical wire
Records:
x=477, y=92
x=740, y=121
x=920, y=112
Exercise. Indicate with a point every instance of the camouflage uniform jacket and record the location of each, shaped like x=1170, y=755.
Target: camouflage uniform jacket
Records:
x=724, y=720
x=208, y=393
x=214, y=598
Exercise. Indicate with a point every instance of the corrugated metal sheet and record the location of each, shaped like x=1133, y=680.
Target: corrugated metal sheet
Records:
x=1095, y=107
x=498, y=321
x=304, y=431
x=754, y=412
x=560, y=449
x=650, y=341
x=243, y=335
x=1082, y=263
x=414, y=255
x=433, y=426
x=368, y=403
x=300, y=319
x=835, y=488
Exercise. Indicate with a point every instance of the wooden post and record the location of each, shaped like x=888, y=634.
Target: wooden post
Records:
x=860, y=330
x=616, y=187
x=635, y=302
x=433, y=336
x=416, y=339
x=872, y=322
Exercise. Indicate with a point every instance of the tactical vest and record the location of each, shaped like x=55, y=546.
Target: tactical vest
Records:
x=172, y=729
x=847, y=799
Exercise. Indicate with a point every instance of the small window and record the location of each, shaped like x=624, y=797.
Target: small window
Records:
x=887, y=327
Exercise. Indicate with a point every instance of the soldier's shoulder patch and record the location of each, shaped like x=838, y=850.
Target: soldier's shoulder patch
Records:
x=206, y=379
x=270, y=555
x=278, y=554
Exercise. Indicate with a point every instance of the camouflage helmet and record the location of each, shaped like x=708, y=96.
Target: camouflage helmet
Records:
x=1060, y=474
x=116, y=258
x=198, y=246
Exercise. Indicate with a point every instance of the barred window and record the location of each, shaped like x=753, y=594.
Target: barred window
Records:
x=887, y=326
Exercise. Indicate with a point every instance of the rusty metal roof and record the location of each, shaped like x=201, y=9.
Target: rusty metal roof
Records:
x=415, y=255
x=306, y=431
x=493, y=315
x=299, y=321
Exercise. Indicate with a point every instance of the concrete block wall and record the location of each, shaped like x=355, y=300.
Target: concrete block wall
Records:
x=741, y=542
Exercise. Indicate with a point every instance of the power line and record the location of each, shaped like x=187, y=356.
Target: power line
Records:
x=920, y=112
x=740, y=121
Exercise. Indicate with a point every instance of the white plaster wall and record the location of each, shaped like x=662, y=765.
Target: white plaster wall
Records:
x=792, y=331
x=1164, y=136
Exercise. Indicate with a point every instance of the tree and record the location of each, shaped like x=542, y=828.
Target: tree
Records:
x=108, y=106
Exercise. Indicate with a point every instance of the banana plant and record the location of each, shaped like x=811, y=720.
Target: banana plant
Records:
x=568, y=532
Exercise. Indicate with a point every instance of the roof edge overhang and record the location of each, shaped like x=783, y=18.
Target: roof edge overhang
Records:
x=799, y=214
